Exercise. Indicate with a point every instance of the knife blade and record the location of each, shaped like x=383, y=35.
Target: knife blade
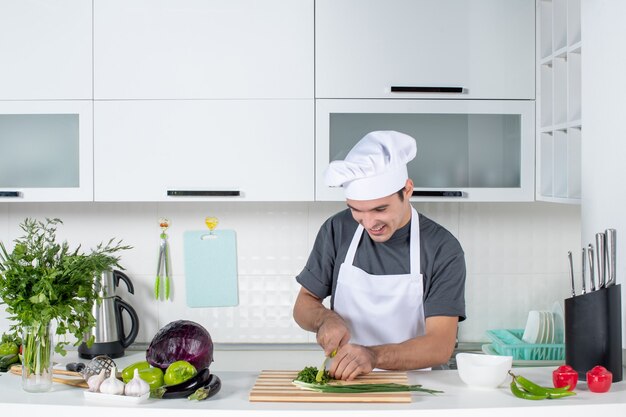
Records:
x=591, y=267
x=600, y=258
x=611, y=254
x=571, y=272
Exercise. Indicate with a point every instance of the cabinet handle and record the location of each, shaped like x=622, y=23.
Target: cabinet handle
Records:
x=409, y=89
x=437, y=193
x=203, y=193
x=10, y=194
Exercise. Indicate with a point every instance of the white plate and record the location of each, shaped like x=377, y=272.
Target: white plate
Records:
x=532, y=331
x=114, y=399
x=559, y=322
x=488, y=349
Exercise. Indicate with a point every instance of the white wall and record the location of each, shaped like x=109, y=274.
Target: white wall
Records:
x=604, y=141
x=515, y=254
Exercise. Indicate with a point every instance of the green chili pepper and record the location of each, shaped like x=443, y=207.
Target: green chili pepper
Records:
x=519, y=393
x=524, y=388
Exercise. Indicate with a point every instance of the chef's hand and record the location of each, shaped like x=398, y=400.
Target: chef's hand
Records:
x=332, y=334
x=351, y=361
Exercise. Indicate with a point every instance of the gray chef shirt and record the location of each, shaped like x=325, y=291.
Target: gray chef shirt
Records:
x=442, y=261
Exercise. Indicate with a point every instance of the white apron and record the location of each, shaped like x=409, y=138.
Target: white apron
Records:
x=381, y=309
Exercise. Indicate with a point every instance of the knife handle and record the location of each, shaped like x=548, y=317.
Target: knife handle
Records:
x=584, y=267
x=591, y=267
x=611, y=236
x=600, y=258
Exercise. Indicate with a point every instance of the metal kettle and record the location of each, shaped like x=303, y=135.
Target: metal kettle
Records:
x=110, y=336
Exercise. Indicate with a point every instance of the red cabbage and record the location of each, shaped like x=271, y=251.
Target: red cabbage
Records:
x=181, y=340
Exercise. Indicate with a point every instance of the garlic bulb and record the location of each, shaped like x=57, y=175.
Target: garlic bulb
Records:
x=112, y=385
x=136, y=387
x=95, y=381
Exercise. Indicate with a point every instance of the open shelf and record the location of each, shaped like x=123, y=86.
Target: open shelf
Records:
x=559, y=118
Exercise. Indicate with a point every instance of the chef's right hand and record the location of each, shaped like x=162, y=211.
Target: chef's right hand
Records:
x=332, y=333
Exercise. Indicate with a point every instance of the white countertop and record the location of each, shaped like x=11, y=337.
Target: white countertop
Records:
x=232, y=400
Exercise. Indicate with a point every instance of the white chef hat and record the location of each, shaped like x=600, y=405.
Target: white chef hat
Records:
x=375, y=167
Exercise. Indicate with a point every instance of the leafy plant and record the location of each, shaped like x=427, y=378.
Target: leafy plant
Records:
x=43, y=281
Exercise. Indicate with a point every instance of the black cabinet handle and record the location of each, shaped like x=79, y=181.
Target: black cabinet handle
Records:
x=434, y=193
x=203, y=193
x=410, y=89
x=10, y=194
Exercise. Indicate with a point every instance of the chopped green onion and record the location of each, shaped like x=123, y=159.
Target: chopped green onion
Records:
x=362, y=388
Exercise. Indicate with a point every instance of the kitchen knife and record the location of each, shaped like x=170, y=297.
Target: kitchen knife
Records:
x=571, y=272
x=611, y=237
x=584, y=267
x=591, y=267
x=600, y=258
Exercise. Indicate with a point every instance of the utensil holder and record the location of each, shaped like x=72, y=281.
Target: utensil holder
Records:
x=593, y=331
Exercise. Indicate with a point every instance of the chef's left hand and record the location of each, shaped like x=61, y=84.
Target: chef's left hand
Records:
x=351, y=361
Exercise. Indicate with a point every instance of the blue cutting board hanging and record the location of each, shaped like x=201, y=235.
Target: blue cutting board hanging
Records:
x=211, y=268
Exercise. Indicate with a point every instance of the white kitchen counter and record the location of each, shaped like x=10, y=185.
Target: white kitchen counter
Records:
x=232, y=400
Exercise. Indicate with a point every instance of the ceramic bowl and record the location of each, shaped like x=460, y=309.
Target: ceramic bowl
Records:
x=483, y=371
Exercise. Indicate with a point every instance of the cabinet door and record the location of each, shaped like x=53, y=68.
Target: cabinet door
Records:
x=186, y=49
x=45, y=49
x=204, y=150
x=363, y=48
x=467, y=150
x=46, y=151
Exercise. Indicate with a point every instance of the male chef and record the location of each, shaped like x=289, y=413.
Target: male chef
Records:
x=396, y=278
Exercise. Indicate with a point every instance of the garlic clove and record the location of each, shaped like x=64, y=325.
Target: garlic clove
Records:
x=95, y=381
x=112, y=385
x=136, y=387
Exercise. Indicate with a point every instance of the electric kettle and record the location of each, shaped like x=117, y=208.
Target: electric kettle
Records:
x=109, y=333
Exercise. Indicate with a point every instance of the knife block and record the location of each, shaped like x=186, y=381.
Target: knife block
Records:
x=593, y=331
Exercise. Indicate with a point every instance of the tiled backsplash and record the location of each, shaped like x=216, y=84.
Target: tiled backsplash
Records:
x=515, y=255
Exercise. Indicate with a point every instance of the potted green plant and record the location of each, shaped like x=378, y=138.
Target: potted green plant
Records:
x=41, y=282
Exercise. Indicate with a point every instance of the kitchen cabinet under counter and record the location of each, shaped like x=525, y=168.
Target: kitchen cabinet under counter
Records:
x=203, y=150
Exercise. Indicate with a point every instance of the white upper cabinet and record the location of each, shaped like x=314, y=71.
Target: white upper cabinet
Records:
x=45, y=49
x=204, y=150
x=365, y=48
x=194, y=49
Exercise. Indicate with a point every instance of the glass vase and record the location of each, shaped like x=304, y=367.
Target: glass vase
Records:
x=37, y=358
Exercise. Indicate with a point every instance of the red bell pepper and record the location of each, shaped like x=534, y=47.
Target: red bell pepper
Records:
x=599, y=379
x=565, y=376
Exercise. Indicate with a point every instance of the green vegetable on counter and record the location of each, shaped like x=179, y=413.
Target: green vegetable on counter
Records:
x=306, y=379
x=7, y=360
x=310, y=375
x=179, y=372
x=8, y=348
x=363, y=388
x=129, y=371
x=528, y=390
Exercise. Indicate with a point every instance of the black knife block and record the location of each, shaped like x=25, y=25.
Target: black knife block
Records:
x=593, y=331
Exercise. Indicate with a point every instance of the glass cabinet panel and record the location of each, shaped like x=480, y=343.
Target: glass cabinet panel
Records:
x=46, y=150
x=39, y=150
x=475, y=150
x=453, y=150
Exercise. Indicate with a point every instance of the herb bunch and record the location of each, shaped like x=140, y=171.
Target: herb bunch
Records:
x=43, y=281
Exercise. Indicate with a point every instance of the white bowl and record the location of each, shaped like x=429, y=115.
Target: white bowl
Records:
x=483, y=371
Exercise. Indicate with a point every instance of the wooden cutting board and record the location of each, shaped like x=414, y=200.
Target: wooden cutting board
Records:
x=276, y=386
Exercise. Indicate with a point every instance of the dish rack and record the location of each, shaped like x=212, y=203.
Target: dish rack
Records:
x=508, y=342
